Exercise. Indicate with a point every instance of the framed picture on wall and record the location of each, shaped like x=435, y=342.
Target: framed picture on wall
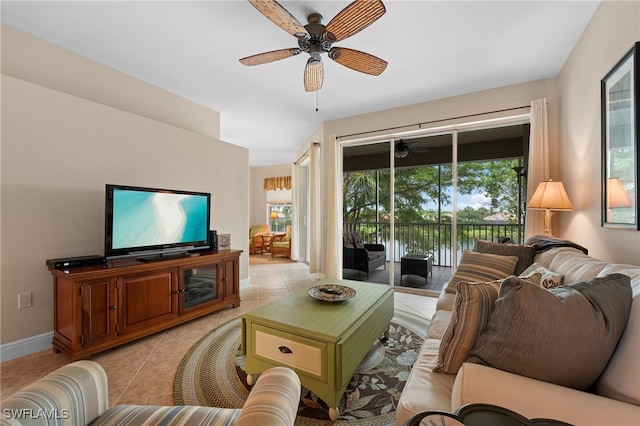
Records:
x=620, y=157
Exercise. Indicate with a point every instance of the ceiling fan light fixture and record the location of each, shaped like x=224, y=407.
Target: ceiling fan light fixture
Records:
x=313, y=75
x=401, y=154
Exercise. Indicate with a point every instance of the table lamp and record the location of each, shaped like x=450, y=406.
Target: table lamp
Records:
x=617, y=197
x=549, y=196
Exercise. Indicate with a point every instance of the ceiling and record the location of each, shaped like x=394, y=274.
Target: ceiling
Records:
x=435, y=49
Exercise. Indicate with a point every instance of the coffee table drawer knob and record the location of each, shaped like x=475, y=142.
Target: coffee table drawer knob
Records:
x=285, y=350
x=291, y=352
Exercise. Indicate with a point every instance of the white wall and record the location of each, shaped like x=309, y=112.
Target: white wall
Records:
x=613, y=30
x=59, y=149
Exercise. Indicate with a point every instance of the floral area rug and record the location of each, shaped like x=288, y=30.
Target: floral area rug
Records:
x=212, y=374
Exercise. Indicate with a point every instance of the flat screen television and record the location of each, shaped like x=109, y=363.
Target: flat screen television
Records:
x=150, y=222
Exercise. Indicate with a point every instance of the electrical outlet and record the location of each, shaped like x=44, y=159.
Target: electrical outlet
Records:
x=24, y=300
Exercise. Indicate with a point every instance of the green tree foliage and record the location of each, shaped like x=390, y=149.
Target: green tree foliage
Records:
x=496, y=179
x=416, y=187
x=359, y=196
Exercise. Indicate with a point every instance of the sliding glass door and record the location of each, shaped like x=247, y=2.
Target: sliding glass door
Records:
x=366, y=211
x=427, y=197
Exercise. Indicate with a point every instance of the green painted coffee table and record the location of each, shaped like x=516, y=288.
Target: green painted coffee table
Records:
x=323, y=342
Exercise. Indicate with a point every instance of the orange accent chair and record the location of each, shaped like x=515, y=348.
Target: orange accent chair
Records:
x=256, y=242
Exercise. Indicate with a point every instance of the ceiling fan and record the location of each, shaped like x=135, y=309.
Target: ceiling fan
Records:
x=402, y=148
x=316, y=39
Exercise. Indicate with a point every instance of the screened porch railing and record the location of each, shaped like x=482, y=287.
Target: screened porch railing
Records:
x=433, y=238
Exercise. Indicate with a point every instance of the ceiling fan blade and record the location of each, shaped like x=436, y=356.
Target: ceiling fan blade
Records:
x=358, y=61
x=266, y=57
x=355, y=17
x=280, y=16
x=313, y=75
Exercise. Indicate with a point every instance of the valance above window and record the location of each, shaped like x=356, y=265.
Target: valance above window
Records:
x=274, y=183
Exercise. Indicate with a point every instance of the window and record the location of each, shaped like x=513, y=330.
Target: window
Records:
x=279, y=216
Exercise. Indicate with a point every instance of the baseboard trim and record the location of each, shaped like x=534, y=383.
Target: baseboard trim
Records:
x=19, y=348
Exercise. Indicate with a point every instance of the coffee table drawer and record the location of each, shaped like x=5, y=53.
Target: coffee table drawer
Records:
x=290, y=350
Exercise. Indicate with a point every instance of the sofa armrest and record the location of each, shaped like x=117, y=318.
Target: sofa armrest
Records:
x=273, y=400
x=278, y=238
x=75, y=394
x=477, y=383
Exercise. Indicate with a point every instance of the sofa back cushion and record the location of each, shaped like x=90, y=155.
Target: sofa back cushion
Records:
x=352, y=239
x=565, y=335
x=576, y=267
x=621, y=379
x=545, y=258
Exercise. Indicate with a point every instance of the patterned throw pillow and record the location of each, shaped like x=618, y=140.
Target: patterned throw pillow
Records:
x=549, y=279
x=481, y=267
x=471, y=311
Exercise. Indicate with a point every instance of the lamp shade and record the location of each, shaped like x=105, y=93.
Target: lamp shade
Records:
x=550, y=195
x=617, y=196
x=273, y=214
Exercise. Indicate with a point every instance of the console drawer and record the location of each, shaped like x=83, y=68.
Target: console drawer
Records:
x=290, y=350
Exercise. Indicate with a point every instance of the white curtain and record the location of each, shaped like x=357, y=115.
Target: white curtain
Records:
x=295, y=219
x=334, y=212
x=315, y=213
x=538, y=167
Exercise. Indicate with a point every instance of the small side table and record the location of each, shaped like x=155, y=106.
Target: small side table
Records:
x=266, y=242
x=416, y=264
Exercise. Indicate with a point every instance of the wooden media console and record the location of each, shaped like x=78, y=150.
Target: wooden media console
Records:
x=99, y=307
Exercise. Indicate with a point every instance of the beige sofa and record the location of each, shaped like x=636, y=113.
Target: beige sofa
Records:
x=614, y=399
x=77, y=394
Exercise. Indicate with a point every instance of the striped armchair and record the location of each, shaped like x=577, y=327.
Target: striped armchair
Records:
x=77, y=394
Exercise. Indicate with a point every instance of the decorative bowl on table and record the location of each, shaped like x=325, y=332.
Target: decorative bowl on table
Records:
x=331, y=292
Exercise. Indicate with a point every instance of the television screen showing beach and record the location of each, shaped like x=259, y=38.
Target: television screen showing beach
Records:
x=143, y=218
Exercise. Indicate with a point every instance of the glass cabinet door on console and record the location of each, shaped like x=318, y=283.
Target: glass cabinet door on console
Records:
x=199, y=285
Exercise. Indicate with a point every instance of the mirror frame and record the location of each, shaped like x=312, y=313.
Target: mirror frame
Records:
x=620, y=114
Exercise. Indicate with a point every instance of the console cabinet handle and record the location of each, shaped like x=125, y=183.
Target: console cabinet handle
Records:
x=285, y=350
x=114, y=307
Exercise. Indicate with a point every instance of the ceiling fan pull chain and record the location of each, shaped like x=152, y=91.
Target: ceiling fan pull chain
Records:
x=317, y=100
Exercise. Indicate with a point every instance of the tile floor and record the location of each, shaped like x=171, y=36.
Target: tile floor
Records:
x=142, y=372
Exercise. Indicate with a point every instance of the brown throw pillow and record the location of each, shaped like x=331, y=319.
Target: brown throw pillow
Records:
x=471, y=311
x=565, y=335
x=481, y=267
x=525, y=253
